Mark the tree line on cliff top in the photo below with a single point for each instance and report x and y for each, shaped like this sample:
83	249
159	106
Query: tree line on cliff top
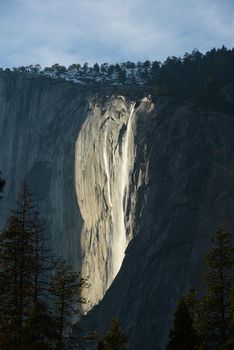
207	78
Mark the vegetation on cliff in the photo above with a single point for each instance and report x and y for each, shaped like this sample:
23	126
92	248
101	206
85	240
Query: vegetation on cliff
207	78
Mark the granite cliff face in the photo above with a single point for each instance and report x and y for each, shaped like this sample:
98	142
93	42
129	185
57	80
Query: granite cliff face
77	151
108	178
39	124
132	191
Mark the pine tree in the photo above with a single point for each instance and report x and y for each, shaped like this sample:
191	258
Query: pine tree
220	263
42	258
23	267
198	310
25	320
122	75
39	331
115	339
9	283
16	266
24	215
183	335
65	288
96	68
209	321
230	340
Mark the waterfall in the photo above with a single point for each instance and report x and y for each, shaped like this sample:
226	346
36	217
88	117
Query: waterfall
106	163
120	239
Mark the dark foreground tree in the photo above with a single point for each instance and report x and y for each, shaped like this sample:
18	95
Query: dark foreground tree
39	331
23	268
115	339
34	313
219	279
66	291
42	259
183	335
208	322
230	339
16	262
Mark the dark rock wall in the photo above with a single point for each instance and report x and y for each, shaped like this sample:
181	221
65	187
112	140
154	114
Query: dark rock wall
39	123
190	192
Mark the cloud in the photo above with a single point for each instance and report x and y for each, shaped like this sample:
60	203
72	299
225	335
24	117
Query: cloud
67	31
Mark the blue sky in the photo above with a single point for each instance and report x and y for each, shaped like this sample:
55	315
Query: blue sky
71	31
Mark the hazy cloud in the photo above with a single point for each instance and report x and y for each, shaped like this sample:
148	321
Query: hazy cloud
67	31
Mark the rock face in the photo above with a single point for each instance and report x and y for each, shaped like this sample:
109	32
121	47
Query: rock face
131	190
190	193
39	124
77	152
